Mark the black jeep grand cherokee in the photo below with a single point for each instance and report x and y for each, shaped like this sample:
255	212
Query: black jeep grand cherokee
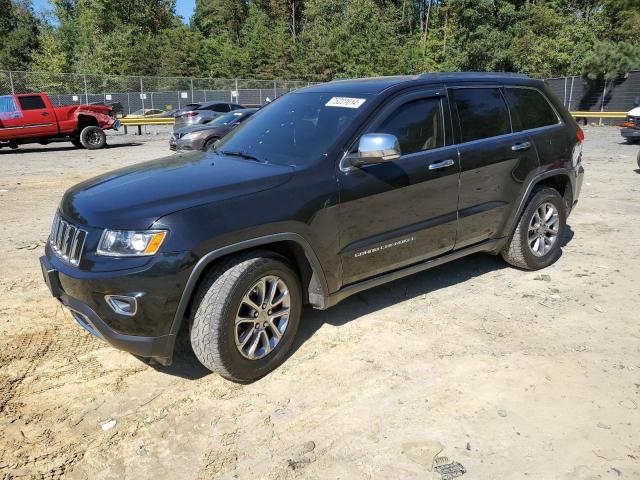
326	192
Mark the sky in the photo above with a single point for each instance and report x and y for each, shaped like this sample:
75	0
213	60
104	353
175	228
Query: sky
184	8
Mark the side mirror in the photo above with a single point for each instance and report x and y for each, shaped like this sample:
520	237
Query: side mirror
375	148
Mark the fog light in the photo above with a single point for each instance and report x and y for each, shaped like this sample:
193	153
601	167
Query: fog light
122	305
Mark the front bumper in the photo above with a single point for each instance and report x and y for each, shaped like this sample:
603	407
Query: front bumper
147	334
180	144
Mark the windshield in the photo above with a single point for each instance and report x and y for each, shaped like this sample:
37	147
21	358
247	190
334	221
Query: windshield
295	129
225	119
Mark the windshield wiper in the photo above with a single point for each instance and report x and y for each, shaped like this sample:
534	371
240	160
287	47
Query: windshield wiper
238	153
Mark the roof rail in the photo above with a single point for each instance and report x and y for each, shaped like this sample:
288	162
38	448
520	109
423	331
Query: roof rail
474	74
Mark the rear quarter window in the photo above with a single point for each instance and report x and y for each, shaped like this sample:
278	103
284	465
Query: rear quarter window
530	109
482	113
220	107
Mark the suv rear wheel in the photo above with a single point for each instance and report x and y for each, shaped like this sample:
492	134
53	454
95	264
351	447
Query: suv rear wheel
535	243
245	316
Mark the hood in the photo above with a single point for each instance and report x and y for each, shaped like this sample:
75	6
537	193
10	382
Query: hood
635	112
134	197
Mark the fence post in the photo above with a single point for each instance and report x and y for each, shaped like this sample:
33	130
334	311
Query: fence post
142	94
571	92
564	102
275	89
604	93
86	91
192	98
13	90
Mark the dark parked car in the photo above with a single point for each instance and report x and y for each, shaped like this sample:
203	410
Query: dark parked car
202	137
631	127
187	108
328	191
203	113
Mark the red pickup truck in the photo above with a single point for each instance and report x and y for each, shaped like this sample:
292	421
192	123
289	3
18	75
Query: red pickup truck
31	118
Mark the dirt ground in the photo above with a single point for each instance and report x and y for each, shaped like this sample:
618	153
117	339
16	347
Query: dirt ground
503	373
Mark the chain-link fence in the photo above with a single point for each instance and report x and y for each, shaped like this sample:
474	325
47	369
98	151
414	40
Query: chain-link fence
136	93
578	94
169	93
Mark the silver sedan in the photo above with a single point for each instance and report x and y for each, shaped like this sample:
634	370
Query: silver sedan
202	137
204	113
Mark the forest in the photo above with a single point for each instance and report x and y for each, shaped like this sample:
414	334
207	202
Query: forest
318	40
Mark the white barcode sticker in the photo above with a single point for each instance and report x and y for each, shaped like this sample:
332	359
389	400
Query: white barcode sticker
345	102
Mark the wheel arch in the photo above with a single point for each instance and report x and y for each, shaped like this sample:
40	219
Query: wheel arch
559	179
560	182
85	120
292	246
209	139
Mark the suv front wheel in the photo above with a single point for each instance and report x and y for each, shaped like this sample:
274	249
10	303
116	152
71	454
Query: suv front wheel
535	243
245	316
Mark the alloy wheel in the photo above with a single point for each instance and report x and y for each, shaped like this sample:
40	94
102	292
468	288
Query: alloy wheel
262	317
543	229
93	138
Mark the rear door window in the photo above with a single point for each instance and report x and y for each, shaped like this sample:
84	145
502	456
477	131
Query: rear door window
529	108
482	113
32	102
418	125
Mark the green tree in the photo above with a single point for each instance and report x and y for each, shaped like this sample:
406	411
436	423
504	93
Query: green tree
50	57
19	34
608	60
220	17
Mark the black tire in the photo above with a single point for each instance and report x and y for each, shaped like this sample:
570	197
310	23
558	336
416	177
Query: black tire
518	252
208	145
77	143
216	305
639	159
93	138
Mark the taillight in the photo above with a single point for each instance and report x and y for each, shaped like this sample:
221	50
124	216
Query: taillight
190	114
580	135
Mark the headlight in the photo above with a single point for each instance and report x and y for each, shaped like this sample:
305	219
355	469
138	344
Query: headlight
130	243
192	135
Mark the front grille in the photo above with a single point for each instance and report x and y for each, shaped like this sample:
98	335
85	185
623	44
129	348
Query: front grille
67	240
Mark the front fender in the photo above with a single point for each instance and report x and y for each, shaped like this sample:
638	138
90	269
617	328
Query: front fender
318	273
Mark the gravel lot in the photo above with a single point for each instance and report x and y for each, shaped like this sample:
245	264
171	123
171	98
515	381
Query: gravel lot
511	374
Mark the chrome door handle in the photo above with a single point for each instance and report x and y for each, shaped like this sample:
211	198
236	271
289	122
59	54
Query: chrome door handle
441	164
517	147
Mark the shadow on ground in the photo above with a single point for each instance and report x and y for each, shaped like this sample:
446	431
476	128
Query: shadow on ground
186	365
61	148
